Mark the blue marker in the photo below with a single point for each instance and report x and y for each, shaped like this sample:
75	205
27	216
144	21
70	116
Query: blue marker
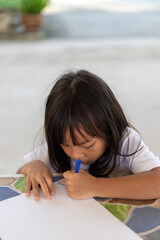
78	163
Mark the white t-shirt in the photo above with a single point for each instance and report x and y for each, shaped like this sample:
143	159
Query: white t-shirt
143	160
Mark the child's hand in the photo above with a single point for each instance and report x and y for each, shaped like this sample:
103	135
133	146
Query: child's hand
37	173
80	185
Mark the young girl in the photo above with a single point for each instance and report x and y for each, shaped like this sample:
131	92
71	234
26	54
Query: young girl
84	120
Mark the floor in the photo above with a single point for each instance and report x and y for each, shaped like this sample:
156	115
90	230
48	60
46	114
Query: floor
127	59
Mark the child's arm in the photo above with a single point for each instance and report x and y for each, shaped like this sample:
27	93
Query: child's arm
137	186
37	173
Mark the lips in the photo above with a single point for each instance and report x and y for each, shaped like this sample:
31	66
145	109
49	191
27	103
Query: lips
85	162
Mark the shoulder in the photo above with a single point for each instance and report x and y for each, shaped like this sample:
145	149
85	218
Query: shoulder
130	141
138	155
130	133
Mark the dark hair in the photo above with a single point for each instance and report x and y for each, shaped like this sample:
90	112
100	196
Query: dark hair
82	101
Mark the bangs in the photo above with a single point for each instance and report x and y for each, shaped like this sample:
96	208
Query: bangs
79	120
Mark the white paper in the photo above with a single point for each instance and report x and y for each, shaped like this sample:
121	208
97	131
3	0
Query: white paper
60	218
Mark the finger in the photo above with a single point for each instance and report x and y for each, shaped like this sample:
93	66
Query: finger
68	190
35	186
63	181
28	187
45	188
67	174
68	182
50	185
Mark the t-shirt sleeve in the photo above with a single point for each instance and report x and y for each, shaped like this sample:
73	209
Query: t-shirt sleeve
39	153
143	160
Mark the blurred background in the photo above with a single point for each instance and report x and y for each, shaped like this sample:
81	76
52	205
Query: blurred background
117	40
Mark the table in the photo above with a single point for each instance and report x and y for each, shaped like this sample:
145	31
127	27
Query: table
142	216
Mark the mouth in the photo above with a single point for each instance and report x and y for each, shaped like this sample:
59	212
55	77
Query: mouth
83	162
86	162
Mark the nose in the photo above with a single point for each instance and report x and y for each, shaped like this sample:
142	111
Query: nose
77	153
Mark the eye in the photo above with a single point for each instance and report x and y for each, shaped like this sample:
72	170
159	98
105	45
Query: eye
89	146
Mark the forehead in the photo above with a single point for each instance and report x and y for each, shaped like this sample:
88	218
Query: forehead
80	137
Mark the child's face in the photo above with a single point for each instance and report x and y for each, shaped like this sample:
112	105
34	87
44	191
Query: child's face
88	151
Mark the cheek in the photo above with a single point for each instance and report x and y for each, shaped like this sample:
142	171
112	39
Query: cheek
102	146
92	153
66	150
99	150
